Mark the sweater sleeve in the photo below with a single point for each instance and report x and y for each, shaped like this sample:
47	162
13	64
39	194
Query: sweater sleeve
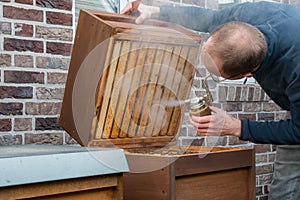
273	132
277	132
207	20
196	18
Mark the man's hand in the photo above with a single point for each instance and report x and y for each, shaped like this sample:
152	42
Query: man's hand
145	11
131	7
217	124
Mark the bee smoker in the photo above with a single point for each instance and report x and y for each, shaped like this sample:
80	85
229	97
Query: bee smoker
199	106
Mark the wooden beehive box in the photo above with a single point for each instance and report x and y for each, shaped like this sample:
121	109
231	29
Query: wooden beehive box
123	78
201	173
121	81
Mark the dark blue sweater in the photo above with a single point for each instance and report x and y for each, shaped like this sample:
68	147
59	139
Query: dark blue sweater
278	75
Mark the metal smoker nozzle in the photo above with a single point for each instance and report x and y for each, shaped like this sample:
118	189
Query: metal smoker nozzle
194	100
207	98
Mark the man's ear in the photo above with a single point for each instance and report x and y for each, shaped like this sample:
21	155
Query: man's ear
248	75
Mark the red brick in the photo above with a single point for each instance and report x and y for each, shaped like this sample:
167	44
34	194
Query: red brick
61	4
265	179
192	141
23	61
262	148
231	93
64	34
57	78
257	92
70	140
23	77
183	131
11	108
50	93
200	72
259	190
5	125
252	106
47	124
262	95
210	83
273	147
244	94
16	92
216	141
247	116
8	140
30	2
52	62
265	197
196	84
43	108
5	28
261	158
271	157
59	18
235	141
23	124
24	30
223	91
191	131
11	44
238	93
5	60
271	107
283	115
44	138
233	107
22	14
266	116
264	169
250	93
59	48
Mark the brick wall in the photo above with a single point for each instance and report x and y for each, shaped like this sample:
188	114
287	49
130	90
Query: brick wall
35	44
36	39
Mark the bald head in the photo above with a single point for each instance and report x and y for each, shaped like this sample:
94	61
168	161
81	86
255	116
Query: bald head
240	48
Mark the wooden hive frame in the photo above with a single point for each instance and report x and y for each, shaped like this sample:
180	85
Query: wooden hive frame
141	67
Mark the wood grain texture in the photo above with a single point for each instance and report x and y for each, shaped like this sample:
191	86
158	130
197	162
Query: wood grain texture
107	187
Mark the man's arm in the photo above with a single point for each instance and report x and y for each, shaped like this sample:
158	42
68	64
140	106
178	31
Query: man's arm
277	132
273	132
207	20
202	19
